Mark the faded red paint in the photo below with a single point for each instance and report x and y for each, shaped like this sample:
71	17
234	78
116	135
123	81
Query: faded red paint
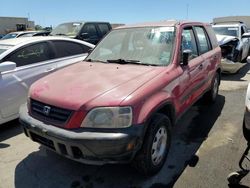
86	85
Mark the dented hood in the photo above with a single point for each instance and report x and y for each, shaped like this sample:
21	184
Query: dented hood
223	39
88	84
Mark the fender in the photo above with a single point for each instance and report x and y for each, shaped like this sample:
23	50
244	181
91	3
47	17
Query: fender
152	105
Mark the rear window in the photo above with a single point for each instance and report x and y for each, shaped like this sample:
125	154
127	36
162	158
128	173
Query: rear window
104	28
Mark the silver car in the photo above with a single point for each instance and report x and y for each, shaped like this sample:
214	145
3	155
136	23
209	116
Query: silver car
234	41
25	60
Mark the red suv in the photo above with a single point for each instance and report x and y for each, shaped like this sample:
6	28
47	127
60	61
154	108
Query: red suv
120	104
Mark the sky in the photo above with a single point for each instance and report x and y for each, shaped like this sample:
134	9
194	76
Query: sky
54	12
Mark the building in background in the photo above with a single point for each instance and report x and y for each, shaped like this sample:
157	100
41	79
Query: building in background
245	19
10	24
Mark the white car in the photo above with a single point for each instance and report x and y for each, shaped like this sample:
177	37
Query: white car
234	41
25	60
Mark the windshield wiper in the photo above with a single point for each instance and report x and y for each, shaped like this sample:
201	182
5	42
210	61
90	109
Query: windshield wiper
60	34
128	61
95	60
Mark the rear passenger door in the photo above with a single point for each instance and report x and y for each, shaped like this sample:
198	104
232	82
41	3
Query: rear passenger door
67	52
209	56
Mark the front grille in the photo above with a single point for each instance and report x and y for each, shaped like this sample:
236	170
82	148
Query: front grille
49	113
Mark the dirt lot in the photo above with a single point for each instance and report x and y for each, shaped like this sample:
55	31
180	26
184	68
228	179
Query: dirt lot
206	146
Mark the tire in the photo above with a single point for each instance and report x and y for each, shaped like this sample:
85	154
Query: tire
234	178
152	156
246	132
238	59
212	94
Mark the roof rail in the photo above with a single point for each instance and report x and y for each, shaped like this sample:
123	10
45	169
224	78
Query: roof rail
220	22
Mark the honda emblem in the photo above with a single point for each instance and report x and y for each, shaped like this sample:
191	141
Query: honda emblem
46	110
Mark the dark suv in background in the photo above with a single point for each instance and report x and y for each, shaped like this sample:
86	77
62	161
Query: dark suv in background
91	32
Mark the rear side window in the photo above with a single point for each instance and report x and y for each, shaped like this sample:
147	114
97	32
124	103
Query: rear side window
203	42
67	48
31	54
104	28
91	30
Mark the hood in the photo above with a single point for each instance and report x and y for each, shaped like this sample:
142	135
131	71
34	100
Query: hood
223	39
88	85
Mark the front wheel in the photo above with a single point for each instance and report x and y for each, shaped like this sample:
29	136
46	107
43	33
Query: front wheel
152	156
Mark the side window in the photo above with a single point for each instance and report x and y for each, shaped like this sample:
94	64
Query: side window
67	48
104	28
203	43
188	42
91	30
30	54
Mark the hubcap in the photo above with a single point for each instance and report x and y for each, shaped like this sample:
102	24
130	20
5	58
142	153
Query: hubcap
159	146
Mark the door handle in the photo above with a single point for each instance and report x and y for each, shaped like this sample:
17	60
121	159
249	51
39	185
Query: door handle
200	67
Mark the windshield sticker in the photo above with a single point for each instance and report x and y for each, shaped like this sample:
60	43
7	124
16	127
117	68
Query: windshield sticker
162	29
76	24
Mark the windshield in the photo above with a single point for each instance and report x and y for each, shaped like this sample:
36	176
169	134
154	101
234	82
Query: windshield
147	46
9	36
67	29
229	31
3	48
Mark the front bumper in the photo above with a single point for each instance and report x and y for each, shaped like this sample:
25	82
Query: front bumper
230	66
85	145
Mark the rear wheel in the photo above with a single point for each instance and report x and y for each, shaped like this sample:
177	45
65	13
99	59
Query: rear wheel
152	156
212	94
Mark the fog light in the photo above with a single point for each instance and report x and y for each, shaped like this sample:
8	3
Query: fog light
130	146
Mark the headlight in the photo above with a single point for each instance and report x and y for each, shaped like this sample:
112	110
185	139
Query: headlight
108	117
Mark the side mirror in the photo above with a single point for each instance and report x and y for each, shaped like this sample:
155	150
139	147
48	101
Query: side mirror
185	56
84	35
246	35
7	66
90	50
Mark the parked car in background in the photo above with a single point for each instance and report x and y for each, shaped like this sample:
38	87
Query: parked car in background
234	41
1	35
36	34
24	60
120	105
91	32
25	34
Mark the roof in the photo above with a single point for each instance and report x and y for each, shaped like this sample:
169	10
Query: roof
226	24
164	23
17	41
21	32
82	22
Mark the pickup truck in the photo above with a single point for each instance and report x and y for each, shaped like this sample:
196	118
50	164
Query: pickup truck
91	32
120	104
